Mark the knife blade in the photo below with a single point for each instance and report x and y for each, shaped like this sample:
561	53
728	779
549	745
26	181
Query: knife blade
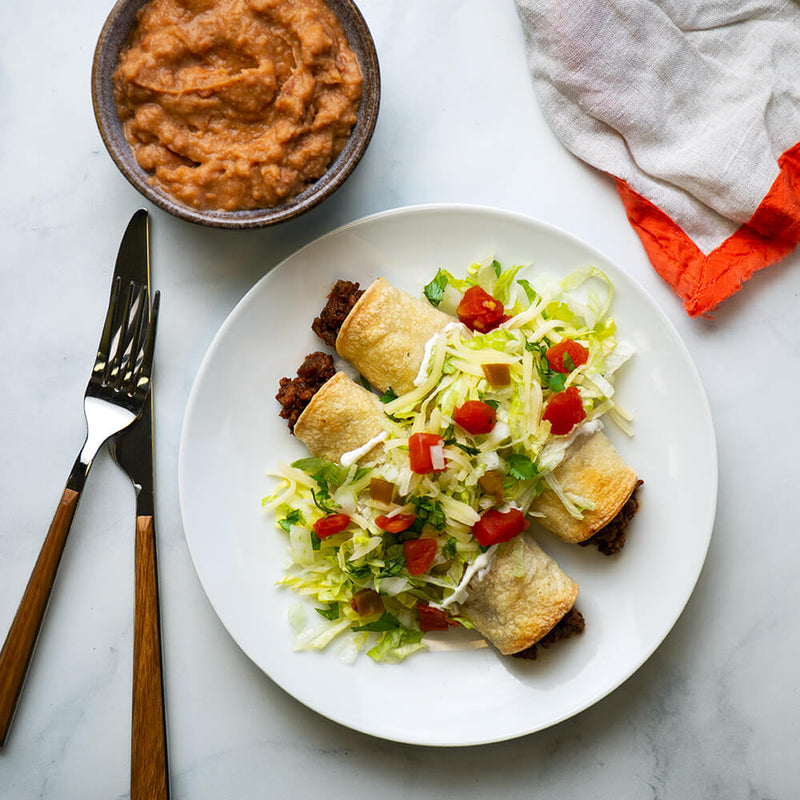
133	451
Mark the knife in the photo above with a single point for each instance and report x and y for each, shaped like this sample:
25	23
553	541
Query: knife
133	451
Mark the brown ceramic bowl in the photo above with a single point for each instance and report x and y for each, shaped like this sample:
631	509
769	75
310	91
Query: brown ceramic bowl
111	42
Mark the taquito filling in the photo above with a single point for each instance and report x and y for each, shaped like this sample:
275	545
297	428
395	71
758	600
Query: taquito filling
571	624
341	299
296	393
610	539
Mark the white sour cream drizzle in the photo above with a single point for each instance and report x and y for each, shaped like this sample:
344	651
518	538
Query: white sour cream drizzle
555	449
481	566
351	456
422	374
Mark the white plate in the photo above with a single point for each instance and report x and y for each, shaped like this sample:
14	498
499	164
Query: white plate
462	694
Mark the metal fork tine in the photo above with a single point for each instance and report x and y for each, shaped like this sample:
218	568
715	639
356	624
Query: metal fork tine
126	327
121	314
138	320
106	337
138	314
145	369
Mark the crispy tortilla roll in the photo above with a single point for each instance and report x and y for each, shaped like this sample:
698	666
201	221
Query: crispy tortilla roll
593	469
385	334
340	418
521	598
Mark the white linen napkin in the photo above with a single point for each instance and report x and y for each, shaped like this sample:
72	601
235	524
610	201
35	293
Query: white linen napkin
693	106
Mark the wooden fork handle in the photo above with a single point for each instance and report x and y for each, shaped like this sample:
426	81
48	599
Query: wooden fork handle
18	649
149	770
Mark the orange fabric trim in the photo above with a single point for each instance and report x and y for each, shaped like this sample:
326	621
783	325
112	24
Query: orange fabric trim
704	281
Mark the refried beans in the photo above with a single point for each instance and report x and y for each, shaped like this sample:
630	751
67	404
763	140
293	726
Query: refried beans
237	104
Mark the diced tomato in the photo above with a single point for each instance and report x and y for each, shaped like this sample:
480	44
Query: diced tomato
419	451
479	311
330	524
498	526
419	555
475	417
575	350
433	619
564	411
395	524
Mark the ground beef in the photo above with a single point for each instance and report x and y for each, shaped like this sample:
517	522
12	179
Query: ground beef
295	394
609	540
570	624
341	300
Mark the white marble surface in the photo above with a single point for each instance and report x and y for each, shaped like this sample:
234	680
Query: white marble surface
712	714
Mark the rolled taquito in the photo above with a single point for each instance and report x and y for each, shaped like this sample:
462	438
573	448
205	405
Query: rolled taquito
592	469
521	598
385	334
341	418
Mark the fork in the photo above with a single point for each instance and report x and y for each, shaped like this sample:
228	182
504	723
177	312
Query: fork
115	396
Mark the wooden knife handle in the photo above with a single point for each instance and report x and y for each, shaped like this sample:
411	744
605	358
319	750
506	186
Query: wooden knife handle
149	766
24	632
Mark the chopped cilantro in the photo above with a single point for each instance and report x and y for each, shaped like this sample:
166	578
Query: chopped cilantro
535	347
553	380
322	500
385	622
331	612
434	290
521	467
392	566
292	518
468	449
388	396
449	439
430	512
358	573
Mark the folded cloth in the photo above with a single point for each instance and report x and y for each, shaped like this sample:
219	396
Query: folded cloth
693	106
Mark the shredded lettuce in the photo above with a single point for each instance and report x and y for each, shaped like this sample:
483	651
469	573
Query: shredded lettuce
396	644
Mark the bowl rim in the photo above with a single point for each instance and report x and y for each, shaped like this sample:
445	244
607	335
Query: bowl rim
114	34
